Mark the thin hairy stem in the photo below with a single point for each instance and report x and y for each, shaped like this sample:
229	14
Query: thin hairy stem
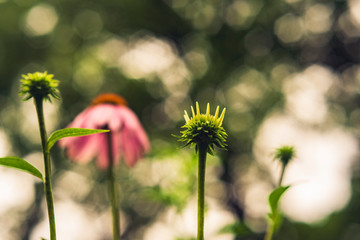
47	164
203	148
282	174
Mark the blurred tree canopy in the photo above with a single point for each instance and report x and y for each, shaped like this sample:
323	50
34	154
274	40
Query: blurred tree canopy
162	56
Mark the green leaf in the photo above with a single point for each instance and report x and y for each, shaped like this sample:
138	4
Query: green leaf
239	229
70	132
275	196
21	164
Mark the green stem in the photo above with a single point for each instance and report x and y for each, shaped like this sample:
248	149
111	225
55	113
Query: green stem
270	229
113	195
282	174
47	183
269	232
203	148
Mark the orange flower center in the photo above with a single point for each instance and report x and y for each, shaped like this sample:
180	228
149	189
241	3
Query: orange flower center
111	98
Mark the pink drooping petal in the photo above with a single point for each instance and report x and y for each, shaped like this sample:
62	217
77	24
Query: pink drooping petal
133	125
104	115
115	143
128	148
102	158
131	146
143	140
103	154
130	119
83	149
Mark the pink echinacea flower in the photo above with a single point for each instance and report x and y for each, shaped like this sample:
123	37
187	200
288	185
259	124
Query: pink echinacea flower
107	111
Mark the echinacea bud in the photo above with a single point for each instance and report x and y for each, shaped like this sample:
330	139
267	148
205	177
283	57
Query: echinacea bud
39	85
204	129
284	154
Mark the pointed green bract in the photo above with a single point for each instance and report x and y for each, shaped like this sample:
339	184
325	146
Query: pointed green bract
39	85
21	164
70	132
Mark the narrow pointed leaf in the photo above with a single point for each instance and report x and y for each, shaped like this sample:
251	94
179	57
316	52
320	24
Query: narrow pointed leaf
20	164
70	132
240	229
275	196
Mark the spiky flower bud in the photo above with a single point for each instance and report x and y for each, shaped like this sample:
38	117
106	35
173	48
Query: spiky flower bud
204	129
284	154
39	85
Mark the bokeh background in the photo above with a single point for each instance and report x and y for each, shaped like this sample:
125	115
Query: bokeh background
286	70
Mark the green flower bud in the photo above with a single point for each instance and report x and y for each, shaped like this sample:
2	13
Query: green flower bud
285	154
39	85
204	129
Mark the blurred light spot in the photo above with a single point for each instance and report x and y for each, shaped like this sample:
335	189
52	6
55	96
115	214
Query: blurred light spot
256	195
71	220
320	171
147	57
201	13
17	190
29	122
74	185
88	77
172	109
332	187
150	58
280	72
318	18
158	231
348	25
354	7
351	80
37	160
172	225
5	147
40	20
111	50
305	94
88	23
197	61
241	13
247	86
176	79
289	28
159	172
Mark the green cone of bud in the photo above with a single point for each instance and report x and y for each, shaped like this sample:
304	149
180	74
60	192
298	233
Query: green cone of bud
204	129
284	154
39	85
